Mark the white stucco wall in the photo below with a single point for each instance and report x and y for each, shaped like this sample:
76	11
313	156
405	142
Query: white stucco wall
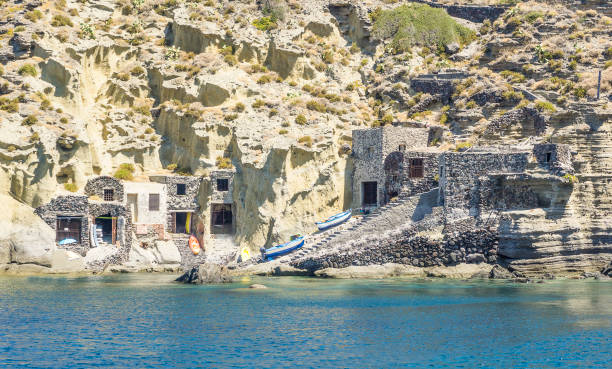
142	190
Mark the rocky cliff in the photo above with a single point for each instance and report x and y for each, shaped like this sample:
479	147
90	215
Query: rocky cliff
276	87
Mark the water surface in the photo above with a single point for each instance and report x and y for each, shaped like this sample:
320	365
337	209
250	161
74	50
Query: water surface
142	321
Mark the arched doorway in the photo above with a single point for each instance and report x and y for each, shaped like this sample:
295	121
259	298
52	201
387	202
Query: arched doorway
393	174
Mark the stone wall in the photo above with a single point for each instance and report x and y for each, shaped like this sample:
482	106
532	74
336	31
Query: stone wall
560	156
461	175
222	196
371	147
433	85
124	231
189	201
96	186
413	186
463	242
70	206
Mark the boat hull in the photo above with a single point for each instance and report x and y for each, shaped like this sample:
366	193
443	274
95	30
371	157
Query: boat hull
283	249
334	221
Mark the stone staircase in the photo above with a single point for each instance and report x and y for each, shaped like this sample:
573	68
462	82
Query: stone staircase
188	259
401	211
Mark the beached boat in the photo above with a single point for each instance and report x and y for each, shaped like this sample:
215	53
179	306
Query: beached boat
283	249
335	220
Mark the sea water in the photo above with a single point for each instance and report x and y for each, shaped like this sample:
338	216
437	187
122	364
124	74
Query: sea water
147	320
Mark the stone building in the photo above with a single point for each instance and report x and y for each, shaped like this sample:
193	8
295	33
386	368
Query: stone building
182	202
89	222
386	159
463	174
222	218
147	203
557	158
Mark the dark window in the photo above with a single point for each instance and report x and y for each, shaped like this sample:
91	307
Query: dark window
153	202
416	168
109	194
68	227
370	195
548	157
181	188
222	184
180	222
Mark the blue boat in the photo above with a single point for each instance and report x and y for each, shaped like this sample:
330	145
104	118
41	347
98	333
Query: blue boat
67	241
335	220
283	249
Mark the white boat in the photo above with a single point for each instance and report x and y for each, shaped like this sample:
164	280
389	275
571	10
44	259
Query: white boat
335	220
283	249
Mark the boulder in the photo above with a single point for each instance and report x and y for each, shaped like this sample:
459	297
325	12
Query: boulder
475	258
206	274
258	286
29	239
499	272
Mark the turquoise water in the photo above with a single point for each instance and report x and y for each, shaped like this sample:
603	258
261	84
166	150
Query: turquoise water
143	321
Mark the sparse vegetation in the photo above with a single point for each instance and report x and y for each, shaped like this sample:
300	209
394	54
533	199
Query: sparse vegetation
514	77
570	178
33	15
306	141
70	187
239	107
418	24
300	120
125	172
27	70
223	163
60	20
30	120
265	23
137	71
545	106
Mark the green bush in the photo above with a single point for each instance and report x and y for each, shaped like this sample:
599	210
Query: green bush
545	105
419	24
125	172
387	119
230	117
27	70
514	77
316	106
264	79
282	131
30	120
34	15
300	119
532	16
463	146
223	163
59	20
70	187
580	92
143	109
239	107
8	105
265	23
571	178
137	71
306	141
258	104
